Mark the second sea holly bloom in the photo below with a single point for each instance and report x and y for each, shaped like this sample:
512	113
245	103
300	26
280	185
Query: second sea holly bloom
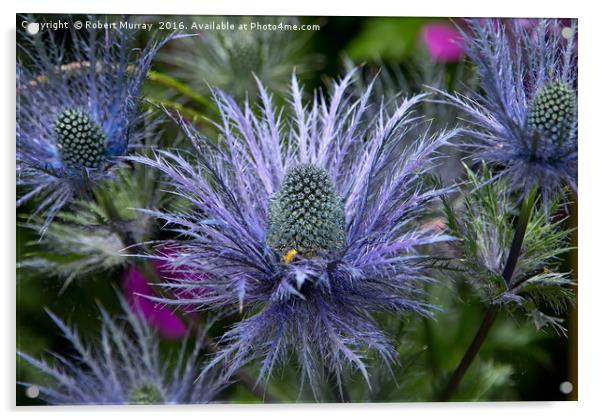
77	114
524	122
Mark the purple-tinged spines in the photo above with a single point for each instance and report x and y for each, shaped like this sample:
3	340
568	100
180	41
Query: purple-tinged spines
524	123
122	366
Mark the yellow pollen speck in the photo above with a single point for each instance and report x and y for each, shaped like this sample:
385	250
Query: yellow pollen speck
288	257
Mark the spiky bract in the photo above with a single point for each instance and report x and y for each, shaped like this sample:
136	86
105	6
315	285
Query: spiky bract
524	123
77	114
485	224
316	307
122	366
100	234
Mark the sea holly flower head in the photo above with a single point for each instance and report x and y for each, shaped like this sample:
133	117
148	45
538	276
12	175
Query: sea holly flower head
307	223
81	142
77	114
146	394
525	121
552	114
122	366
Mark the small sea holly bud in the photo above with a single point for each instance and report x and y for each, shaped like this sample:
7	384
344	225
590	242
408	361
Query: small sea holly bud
553	110
146	394
306	215
81	141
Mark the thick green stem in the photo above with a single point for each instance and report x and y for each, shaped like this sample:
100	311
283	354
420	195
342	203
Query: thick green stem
492	311
471	352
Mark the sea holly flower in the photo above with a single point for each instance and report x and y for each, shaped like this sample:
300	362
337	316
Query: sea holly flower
308	225
123	366
525	122
77	114
524	126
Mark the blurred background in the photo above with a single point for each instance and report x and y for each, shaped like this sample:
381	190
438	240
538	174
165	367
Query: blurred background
516	363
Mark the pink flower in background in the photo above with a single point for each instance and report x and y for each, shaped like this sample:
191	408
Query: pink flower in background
159	316
443	42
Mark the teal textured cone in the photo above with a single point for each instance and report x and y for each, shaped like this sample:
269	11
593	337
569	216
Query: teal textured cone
81	141
553	110
306	214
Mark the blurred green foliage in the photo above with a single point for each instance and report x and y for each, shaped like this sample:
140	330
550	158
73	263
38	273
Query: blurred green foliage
393	39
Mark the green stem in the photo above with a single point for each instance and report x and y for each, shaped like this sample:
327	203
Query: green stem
492	311
182	88
519	236
183	110
471	352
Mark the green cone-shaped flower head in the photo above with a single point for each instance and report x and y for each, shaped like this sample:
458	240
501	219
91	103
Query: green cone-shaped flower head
306	215
81	141
553	111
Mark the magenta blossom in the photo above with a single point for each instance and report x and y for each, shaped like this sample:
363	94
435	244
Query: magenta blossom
141	296
159	316
443	42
